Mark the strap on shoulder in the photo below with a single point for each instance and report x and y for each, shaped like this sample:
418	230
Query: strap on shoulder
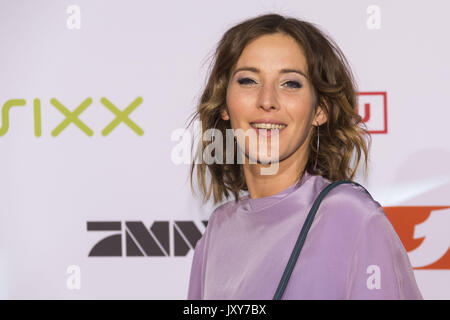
301	238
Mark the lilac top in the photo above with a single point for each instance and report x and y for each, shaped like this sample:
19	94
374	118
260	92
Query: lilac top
351	251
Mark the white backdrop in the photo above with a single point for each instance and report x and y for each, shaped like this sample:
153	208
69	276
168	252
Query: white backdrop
52	186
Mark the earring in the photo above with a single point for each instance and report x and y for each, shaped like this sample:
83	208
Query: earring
213	132
317	153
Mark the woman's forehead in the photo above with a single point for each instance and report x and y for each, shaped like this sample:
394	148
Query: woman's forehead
272	53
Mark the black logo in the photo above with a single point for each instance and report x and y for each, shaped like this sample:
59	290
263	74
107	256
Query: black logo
140	241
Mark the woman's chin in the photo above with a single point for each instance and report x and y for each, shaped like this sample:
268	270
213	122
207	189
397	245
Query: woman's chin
263	158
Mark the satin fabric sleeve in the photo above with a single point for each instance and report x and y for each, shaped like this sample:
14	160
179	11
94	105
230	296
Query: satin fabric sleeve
195	290
380	267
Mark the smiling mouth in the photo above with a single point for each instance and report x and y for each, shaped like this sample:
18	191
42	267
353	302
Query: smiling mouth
265	130
268	126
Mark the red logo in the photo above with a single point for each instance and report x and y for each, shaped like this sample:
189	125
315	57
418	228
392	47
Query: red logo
373	111
425	234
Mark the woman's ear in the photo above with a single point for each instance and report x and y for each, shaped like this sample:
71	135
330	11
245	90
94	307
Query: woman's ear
321	116
225	115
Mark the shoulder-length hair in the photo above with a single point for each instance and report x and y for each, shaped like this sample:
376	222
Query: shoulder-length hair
334	86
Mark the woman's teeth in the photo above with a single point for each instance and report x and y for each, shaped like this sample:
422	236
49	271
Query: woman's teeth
268	126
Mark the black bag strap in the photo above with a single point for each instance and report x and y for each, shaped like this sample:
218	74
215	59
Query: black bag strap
301	238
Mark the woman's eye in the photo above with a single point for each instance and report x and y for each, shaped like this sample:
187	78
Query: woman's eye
292	84
295	84
244	80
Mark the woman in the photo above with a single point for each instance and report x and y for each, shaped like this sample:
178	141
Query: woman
273	69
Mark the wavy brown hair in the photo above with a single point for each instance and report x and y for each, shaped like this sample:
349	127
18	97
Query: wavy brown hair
335	90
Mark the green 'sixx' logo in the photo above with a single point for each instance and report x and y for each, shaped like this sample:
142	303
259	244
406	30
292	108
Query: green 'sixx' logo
72	116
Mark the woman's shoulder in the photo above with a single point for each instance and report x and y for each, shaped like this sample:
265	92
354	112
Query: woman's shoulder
223	209
349	201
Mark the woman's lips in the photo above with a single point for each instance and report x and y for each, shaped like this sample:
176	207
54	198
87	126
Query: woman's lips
267	132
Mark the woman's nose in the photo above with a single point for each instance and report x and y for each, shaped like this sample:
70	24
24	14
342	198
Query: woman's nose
268	97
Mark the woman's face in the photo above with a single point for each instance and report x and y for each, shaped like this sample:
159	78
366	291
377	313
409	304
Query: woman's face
269	82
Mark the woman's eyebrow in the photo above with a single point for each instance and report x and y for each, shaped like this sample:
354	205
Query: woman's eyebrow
256	70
